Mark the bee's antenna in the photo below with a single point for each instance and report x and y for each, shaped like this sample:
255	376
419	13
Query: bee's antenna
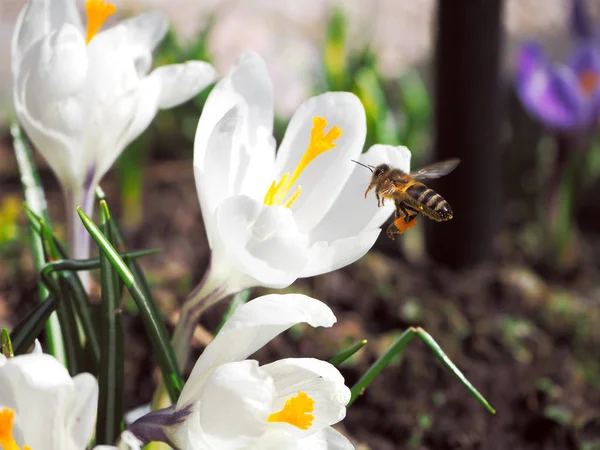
364	165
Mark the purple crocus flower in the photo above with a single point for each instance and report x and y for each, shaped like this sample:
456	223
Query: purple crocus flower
565	97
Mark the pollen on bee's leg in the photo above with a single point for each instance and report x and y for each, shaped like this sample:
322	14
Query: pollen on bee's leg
97	12
399	226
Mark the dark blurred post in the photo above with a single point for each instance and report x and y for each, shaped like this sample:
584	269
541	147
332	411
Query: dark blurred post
468	120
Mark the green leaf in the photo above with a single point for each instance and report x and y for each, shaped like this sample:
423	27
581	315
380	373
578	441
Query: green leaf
397	347
68	324
34	196
5	344
30	327
111	377
77	265
437	350
347	353
134	267
65	310
236	301
36	221
380	364
153	323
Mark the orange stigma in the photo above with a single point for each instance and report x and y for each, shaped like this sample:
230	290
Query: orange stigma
297	411
588	81
320	142
97	12
7	441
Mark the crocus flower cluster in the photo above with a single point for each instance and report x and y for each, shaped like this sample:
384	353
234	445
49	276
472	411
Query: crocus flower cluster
564	97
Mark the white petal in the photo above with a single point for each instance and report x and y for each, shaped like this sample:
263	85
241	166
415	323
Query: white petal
110	130
325	177
39	18
240	147
53	75
47	95
261	241
214	183
112	62
324	257
320	380
64	11
134	414
249	328
81	413
327	439
129	441
31	25
38	388
37	348
235	405
248	85
147	29
351	213
180	82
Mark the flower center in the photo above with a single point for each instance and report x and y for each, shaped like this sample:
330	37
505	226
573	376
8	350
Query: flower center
588	81
296	412
320	142
97	12
7	442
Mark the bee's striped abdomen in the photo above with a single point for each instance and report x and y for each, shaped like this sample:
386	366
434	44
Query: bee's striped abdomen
430	203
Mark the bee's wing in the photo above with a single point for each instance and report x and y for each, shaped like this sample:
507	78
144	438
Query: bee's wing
436	170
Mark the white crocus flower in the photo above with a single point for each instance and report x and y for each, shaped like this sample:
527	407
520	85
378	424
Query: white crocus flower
42	407
83	95
230	403
272	218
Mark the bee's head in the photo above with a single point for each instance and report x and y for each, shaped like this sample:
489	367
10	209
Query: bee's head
378	173
378	176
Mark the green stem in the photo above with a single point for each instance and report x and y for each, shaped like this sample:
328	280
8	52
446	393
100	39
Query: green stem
34	196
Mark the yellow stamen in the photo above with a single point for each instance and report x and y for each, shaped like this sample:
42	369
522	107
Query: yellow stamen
7	441
290	201
97	12
320	142
296	412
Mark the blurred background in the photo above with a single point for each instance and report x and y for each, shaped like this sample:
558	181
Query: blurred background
510	287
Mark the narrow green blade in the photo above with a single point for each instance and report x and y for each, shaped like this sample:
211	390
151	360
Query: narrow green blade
34	196
30	327
110	380
65	310
153	323
380	364
347	353
6	347
437	350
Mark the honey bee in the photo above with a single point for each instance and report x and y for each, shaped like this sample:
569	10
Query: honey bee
411	197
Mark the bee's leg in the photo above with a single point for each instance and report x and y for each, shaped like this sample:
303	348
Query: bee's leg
405	219
411	213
